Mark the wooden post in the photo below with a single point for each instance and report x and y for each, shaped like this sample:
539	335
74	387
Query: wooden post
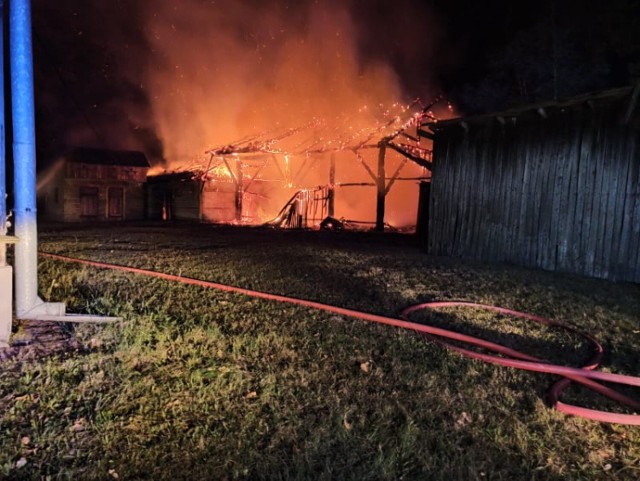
422	224
381	188
239	189
332	185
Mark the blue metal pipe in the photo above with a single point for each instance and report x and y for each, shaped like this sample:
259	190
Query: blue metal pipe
23	115
24	156
3	163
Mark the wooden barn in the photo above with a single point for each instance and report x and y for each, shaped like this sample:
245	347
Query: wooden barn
87	184
553	186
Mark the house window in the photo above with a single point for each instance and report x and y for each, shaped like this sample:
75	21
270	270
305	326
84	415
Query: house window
89	202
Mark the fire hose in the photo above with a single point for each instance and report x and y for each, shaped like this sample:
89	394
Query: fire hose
504	356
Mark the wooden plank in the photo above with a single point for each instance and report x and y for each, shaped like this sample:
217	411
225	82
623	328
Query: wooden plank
487	232
593	150
440	202
520	212
556	212
609	188
635	217
499	194
465	190
332	185
239	189
535	240
617	202
517	167
599	196
624	266
567	222
447	205
381	194
548	162
576	233
528	200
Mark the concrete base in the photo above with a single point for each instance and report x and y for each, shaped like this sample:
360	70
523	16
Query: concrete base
6	307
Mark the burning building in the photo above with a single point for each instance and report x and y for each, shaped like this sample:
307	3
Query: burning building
297	177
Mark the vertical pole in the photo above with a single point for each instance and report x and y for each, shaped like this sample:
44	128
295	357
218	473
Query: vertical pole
422	224
28	304
381	188
239	189
6	272
3	163
332	186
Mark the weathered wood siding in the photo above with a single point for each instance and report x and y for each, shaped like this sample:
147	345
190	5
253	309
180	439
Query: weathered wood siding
133	201
559	193
185	202
218	202
60	198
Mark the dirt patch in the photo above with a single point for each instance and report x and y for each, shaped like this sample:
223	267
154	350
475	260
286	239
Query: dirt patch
38	339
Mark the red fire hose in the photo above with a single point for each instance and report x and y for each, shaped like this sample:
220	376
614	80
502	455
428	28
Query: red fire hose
584	375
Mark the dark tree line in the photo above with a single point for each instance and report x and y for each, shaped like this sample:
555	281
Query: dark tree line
568	49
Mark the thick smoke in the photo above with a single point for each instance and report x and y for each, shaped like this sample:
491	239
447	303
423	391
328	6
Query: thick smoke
90	60
223	70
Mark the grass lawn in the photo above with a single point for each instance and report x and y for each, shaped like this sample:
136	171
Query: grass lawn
200	384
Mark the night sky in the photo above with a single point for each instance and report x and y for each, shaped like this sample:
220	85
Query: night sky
97	63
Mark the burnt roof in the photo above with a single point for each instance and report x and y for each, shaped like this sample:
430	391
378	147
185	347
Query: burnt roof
169	176
121	158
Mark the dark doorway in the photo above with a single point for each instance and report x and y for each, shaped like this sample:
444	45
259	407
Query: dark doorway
115	203
89	202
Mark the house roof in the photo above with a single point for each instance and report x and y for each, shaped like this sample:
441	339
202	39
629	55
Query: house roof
122	158
628	94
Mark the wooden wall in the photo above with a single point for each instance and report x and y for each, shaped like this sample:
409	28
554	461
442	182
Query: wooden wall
559	193
61	198
218	202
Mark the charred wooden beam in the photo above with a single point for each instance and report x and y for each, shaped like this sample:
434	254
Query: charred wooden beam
381	187
366	167
394	177
239	189
426	135
253	177
356	184
230	170
332	182
410	137
418	160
